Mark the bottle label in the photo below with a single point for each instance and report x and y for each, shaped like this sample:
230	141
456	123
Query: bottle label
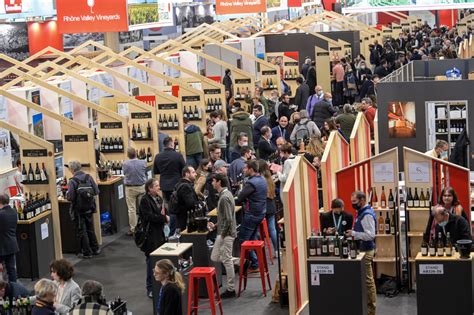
312	252
353	253
331	248
387	227
432	251
344	251
410	203
440	251
424	251
325	249
392	229
383	204
448	251
336	251
416	203
391	204
318	252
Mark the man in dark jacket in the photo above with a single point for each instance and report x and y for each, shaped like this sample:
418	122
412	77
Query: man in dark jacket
368	87
258	124
265	147
382	70
168	164
346	121
227	82
242	141
323	110
83	218
8	242
302	94
11	290
281	130
193	142
187	197
240	123
457	227
336	220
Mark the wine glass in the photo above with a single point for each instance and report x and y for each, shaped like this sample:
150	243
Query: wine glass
91	4
178	235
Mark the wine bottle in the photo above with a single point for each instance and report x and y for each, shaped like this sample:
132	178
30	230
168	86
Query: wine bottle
312	245
381	224
383	199
37	174
416	199
271	84
197	113
208	103
353	250
424	248
409	199
160	122
387	224
176	144
44	174
165	122
238	95
148	131
102	144
139	132
175	123
116	144
134	132
392	225
345	248
106	144
391	200
185	113
337	245
48	202
148	155
331	246
440	245
449	245
24	174
325	246
120	143
170	122
428	198
319	245
286	75
212	107
375	201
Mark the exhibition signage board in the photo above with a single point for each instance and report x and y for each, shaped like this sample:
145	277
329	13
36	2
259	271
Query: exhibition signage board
145	14
401	5
91	16
240	6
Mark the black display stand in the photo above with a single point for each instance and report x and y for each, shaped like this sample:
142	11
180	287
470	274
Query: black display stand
36	242
328	289
112	200
451	274
69	241
172	251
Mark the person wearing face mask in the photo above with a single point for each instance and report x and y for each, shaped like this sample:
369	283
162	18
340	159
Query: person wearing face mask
242	141
446	222
440	151
314	99
336	220
241	123
364	234
323	110
363	74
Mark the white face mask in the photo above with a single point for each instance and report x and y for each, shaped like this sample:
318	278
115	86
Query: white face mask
245	144
444	154
319	93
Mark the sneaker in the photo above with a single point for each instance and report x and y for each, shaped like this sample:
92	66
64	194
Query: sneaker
228	294
253	270
97	252
150	294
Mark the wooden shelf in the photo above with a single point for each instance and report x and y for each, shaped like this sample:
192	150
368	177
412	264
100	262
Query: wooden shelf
384	235
418	209
35	218
384	259
415	234
384	209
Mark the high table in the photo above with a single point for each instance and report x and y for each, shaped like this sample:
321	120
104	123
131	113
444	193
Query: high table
444	285
112	200
337	286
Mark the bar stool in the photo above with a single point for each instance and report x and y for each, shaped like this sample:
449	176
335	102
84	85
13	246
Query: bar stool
265	236
209	274
259	248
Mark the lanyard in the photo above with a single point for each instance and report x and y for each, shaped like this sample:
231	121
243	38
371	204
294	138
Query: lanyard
338	224
158	301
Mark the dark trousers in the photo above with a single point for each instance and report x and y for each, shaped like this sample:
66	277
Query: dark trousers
9	261
248	232
86	235
194	160
337	96
149	274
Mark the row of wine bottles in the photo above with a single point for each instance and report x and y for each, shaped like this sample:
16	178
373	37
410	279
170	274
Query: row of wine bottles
291	74
212	105
239	95
32	206
111	144
332	246
191	223
192	115
418	201
456	127
19	306
138	134
268	84
386	226
168	123
383	202
438	247
38	176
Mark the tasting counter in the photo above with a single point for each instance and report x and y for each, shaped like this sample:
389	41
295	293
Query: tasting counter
173	252
337	286
69	242
112	200
448	280
36	241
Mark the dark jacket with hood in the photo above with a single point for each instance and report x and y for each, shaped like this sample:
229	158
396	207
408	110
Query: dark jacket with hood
459	152
241	122
193	139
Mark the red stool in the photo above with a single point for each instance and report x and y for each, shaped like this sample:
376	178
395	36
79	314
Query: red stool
265	236
259	248
209	274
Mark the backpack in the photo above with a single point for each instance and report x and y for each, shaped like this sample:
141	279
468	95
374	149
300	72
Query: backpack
302	132
85	194
351	82
173	203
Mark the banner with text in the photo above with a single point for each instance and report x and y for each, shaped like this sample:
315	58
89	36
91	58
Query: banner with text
240	6
82	16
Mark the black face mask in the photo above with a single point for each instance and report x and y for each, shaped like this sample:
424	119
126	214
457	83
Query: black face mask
356	206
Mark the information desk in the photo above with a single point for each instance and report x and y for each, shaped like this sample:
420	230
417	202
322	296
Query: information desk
69	241
173	252
448	279
112	200
202	256
337	286
36	241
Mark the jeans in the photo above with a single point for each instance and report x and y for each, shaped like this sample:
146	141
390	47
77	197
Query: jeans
272	231
222	252
149	274
9	262
248	231
194	159
371	291
85	234
132	193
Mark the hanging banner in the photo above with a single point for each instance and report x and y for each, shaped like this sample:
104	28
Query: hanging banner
240	6
149	13
83	16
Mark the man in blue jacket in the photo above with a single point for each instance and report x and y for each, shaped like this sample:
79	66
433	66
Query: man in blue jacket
364	233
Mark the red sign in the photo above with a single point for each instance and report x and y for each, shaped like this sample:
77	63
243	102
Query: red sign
294	3
240	6
84	16
12	6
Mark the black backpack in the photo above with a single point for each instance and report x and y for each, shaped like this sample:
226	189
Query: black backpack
173	203
141	233
85	194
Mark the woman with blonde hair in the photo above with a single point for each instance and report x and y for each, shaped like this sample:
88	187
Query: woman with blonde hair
172	288
45	291
271	205
314	150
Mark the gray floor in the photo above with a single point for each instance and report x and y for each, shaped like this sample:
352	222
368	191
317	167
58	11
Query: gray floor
121	269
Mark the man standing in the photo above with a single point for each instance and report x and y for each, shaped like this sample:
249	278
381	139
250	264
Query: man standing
187	197
338	81
265	147
305	67
281	130
440	151
323	110
134	171
168	165
302	94
83	205
364	233
8	242
219	131
226	231
227	82
242	141
369	112
254	195
237	166
220	167
314	99
193	142
240	124
346	121
215	153
336	220
258	124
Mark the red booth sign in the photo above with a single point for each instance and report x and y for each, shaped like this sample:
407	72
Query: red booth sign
13	6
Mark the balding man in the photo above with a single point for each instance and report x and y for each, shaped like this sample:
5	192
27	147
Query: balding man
457	227
323	110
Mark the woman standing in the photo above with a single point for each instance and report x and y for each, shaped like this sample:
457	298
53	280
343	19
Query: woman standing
69	292
152	215
271	205
203	170
172	288
45	291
